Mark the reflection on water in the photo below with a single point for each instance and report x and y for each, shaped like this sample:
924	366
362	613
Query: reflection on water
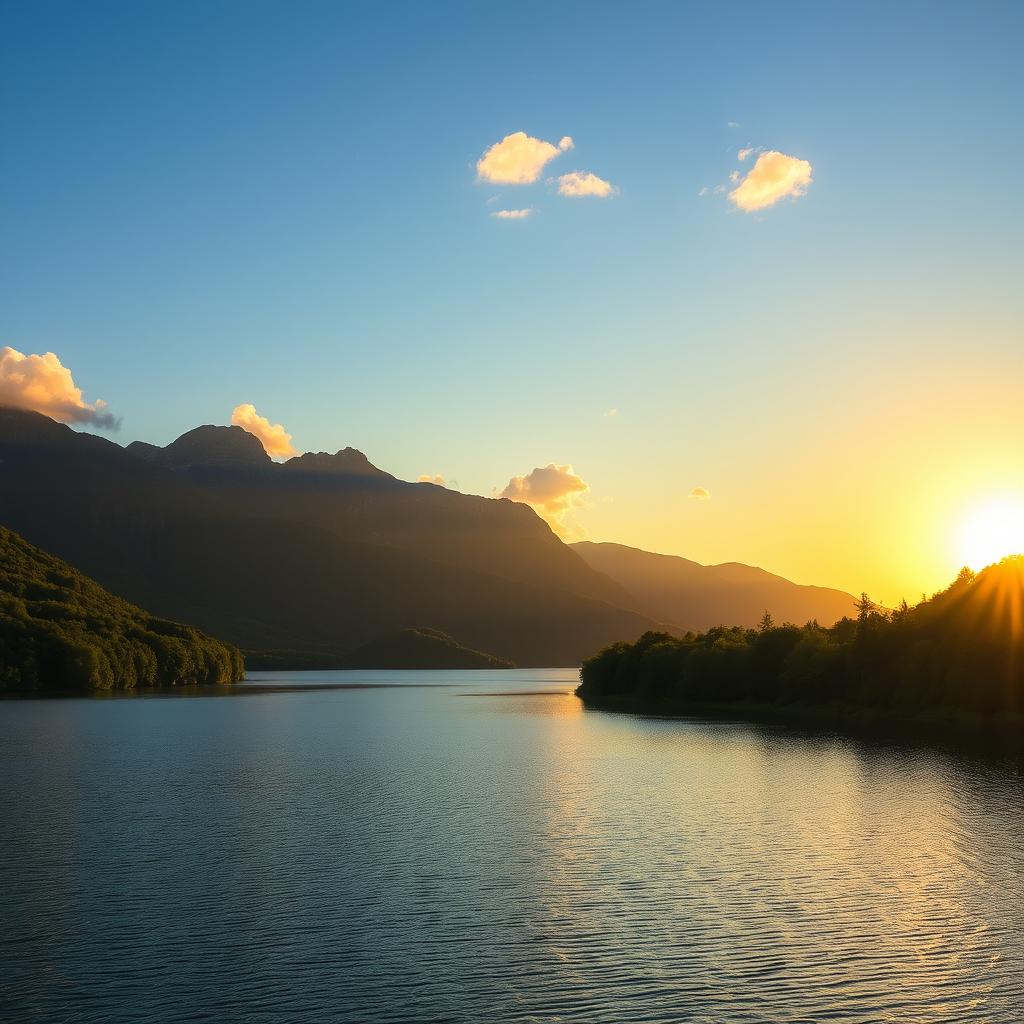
392	847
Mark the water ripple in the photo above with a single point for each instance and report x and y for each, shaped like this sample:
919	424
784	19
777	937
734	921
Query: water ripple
349	849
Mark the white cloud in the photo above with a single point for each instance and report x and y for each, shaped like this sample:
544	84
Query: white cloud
43	384
774	176
733	124
744	153
700	494
513	214
276	441
518	159
583	183
552	491
734	176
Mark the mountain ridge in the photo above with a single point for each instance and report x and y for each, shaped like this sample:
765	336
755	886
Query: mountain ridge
272	559
697	597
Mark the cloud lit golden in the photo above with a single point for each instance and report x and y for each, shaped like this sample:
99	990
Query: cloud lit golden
276	441
43	384
583	183
700	494
519	159
774	176
552	491
428	478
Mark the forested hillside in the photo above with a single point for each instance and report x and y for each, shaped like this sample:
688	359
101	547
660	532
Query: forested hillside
61	631
962	651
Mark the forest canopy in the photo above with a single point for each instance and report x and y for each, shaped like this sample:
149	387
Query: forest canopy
960	651
59	630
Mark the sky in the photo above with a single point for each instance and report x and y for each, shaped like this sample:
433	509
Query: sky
295	207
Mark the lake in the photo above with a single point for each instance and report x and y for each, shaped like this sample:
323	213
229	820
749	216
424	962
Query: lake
475	846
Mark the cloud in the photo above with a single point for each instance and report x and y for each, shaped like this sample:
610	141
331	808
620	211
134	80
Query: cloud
276	441
734	176
700	494
583	183
773	177
733	124
436	479
744	153
43	384
552	491
512	214
518	159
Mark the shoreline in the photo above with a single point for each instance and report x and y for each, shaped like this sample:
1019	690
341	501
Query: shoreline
844	719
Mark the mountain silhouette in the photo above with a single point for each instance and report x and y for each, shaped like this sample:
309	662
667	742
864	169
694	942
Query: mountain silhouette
315	557
695	596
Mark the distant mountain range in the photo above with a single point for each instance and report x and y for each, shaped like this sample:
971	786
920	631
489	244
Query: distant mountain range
323	553
696	596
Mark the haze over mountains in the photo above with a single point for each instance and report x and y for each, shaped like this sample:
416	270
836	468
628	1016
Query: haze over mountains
321	554
700	596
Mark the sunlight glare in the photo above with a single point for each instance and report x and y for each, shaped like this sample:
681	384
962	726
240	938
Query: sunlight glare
992	532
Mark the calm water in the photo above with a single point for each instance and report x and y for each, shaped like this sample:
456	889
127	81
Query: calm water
460	852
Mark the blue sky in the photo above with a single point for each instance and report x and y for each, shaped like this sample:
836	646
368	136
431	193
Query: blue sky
209	204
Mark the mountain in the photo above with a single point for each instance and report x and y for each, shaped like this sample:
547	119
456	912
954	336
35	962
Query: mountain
420	648
695	596
316	556
60	630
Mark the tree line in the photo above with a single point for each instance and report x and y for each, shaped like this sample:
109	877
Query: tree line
961	650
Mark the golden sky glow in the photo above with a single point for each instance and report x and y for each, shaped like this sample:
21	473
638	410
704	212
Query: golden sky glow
991	531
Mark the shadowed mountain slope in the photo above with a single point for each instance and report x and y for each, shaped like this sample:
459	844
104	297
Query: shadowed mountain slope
695	596
59	630
316	556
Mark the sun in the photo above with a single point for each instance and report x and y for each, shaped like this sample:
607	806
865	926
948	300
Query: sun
992	532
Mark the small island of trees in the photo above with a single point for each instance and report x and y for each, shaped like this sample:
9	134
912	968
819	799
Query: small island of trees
958	654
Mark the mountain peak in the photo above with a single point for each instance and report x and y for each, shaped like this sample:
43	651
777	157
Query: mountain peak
347	462
219	447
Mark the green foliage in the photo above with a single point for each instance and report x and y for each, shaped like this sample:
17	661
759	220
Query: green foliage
960	651
60	630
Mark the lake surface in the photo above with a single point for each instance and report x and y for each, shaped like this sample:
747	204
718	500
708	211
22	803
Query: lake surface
475	846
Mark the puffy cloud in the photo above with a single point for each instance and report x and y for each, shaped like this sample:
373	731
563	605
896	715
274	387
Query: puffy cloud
436	479
583	183
552	491
276	441
518	159
700	494
773	177
512	214
43	384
